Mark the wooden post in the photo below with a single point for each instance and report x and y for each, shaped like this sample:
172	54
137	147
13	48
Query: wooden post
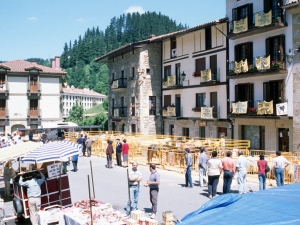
92	178
128	189
60	194
90	199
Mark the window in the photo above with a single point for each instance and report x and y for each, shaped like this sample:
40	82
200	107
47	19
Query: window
171	132
133	128
202	131
173	47
242	12
185	131
277	11
148	71
214	103
167	100
273	91
275	47
113	76
244	92
33	104
152	105
122	73
244	51
200	64
2	79
113	106
167	71
132	106
2	104
213	67
207	38
132	72
200	99
177	73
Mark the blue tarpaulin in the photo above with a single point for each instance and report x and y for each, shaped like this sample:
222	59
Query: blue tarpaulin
272	206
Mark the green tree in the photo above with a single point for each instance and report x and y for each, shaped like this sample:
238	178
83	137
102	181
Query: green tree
75	114
105	104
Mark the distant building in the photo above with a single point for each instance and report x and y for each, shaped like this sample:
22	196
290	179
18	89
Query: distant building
29	94
85	97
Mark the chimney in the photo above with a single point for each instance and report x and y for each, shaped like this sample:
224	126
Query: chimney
53	63
57	62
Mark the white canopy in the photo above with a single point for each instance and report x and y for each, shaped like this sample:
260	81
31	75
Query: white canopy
17	150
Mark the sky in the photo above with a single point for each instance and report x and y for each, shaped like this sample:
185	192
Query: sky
40	28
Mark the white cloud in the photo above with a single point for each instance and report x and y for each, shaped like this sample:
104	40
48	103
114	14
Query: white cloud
134	8
32	19
80	20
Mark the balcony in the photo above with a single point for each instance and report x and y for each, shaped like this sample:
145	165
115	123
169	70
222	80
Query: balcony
169	111
4	113
33	88
260	22
172	81
4	88
34	113
119	112
119	84
209	78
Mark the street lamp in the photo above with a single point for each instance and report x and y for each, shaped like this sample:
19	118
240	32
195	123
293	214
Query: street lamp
291	55
183	76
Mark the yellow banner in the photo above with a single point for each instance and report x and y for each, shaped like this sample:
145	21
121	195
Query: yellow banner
241	67
262	63
239	107
165	112
115	84
263	19
206	112
240	25
171	80
116	112
265	108
171	111
205	75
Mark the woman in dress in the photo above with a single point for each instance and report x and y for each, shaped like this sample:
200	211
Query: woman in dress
214	168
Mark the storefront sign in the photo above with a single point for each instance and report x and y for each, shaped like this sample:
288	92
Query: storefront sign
205	75
265	108
281	109
206	112
263	19
240	26
239	107
53	170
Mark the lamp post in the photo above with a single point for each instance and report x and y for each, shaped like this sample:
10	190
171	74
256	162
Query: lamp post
290	56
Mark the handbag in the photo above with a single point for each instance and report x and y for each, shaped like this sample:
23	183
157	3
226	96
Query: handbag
267	169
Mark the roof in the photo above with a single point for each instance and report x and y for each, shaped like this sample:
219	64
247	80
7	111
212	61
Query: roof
292	3
24	66
153	38
85	91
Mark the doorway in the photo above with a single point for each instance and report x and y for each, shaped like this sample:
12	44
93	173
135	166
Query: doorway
283	138
171	129
178	105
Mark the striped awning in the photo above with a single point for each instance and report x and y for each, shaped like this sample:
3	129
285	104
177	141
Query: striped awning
53	151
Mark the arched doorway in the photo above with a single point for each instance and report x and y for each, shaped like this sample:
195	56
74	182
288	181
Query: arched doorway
16	126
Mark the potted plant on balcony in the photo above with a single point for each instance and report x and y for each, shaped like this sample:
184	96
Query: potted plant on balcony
196	109
275	65
196	74
252	111
252	68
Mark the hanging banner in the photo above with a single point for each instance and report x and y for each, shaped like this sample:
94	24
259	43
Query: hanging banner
265	108
239	107
171	111
171	80
238	67
263	19
241	67
240	25
165	112
205	75
281	109
262	63
115	84
116	112
206	112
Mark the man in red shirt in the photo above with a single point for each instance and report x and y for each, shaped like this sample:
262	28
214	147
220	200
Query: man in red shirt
228	167
125	149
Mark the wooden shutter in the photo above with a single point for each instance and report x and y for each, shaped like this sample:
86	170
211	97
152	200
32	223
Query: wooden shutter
282	48
250	14
266	91
213	66
267	6
251	95
237	53
167	100
200	64
237	93
268	47
250	53
197	100
234	14
214	102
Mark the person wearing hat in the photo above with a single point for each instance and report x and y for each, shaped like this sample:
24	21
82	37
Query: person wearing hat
188	170
119	152
262	164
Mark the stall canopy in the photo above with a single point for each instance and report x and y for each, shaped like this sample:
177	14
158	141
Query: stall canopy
53	151
272	206
17	150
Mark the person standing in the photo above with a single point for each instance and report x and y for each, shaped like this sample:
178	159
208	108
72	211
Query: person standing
109	152
33	194
88	144
134	179
229	170
202	167
280	163
214	168
125	150
241	168
74	162
80	142
262	164
188	169
83	145
153	184
7	176
119	152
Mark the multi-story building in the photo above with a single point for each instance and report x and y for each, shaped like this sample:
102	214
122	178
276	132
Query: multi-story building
134	92
194	81
260	102
29	95
84	97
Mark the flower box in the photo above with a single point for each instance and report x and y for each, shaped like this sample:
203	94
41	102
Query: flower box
196	74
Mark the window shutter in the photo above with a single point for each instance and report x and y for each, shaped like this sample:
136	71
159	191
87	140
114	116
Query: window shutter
213	66
282	48
250	53
197	100
236	93
267	6
234	14
250	15
266	90
200	64
251	95
268	47
237	53
167	100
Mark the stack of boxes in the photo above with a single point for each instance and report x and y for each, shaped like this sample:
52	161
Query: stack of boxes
167	218
137	217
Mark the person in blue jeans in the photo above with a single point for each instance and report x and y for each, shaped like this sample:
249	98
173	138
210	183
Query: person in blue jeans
134	179
241	168
262	164
74	162
188	171
280	163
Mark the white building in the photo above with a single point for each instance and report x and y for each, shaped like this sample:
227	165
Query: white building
29	95
85	97
261	33
194	80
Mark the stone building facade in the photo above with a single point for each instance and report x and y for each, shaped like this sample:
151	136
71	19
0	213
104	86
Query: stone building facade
135	87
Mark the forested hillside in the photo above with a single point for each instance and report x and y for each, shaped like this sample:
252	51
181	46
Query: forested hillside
77	57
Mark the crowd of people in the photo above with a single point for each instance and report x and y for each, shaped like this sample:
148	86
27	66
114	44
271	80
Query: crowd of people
10	140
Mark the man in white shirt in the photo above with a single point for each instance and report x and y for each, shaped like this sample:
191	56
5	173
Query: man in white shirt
241	169
280	163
